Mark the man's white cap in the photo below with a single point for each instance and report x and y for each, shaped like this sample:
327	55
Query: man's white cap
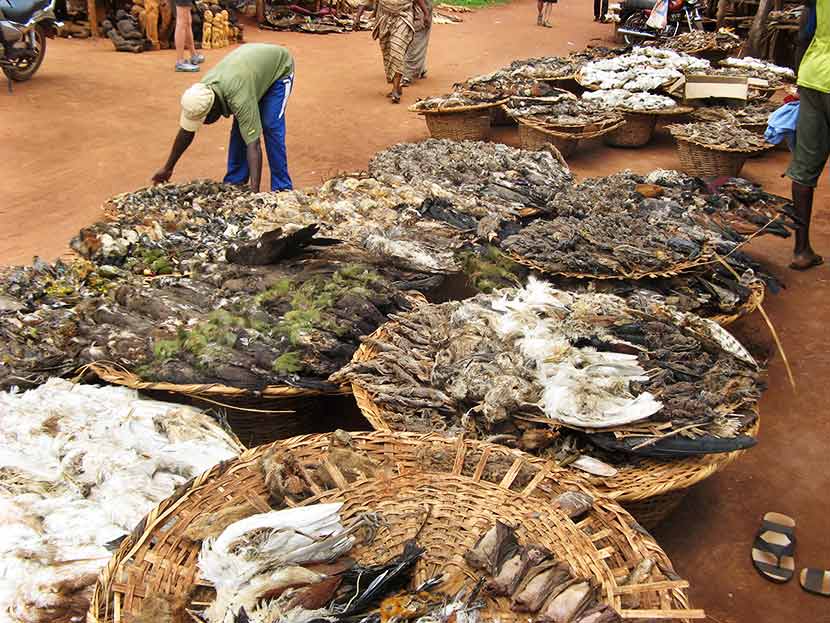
196	104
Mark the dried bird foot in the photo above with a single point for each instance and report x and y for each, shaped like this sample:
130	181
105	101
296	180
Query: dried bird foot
806	260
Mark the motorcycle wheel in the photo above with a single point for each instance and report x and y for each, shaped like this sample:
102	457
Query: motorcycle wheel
636	21
24	69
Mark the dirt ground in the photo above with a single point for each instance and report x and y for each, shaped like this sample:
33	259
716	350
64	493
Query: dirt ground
94	123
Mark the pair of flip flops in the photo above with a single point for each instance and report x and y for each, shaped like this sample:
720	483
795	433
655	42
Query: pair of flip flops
773	554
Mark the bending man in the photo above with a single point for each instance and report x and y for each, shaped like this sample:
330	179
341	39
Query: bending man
253	84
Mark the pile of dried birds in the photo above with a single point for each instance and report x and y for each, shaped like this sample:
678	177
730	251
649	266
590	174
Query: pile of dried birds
620	99
529	366
80	466
698	41
559	113
415	226
630	226
199	299
746	114
292	565
642	69
298	19
533	579
455	100
759	68
723	135
521	180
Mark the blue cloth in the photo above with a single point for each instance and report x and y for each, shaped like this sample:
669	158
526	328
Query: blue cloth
272	113
782	123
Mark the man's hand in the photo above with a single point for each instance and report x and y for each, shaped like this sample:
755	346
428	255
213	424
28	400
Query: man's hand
162	175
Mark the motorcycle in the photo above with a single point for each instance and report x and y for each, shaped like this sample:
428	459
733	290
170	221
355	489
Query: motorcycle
683	16
24	27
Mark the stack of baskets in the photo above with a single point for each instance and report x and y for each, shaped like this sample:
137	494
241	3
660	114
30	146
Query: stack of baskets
461	123
647	488
444	493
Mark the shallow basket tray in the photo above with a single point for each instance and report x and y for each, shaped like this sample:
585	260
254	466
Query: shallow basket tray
535	136
460	123
444	492
633	275
648	488
706	161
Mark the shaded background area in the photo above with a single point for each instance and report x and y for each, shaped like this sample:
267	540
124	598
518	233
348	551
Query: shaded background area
94	123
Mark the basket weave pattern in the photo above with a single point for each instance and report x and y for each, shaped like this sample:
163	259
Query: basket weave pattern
459	126
534	136
702	161
444	491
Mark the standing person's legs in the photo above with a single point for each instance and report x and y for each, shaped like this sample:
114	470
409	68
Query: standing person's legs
190	44
812	148
183	35
596	9
238	172
539	4
272	112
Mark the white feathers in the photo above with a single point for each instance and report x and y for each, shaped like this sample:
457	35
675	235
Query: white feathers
278	537
580	385
621	98
79	466
642	69
749	62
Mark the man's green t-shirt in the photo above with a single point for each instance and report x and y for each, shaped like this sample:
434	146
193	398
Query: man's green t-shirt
241	79
814	71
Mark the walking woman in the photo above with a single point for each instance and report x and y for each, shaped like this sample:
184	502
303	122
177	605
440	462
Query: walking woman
394	28
416	55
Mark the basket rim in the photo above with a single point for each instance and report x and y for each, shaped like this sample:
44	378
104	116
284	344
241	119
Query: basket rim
651	479
118	376
614	125
756	298
730	150
628	531
668	112
456	109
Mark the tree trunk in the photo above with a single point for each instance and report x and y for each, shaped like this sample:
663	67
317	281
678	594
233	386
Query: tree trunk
755	45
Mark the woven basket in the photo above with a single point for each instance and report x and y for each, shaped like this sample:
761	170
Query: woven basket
637	131
499	117
756	297
444	491
459	126
566	138
635	486
705	161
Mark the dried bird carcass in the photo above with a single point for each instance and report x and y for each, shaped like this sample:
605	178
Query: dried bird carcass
560	113
456	99
698	41
517	179
760	68
80	466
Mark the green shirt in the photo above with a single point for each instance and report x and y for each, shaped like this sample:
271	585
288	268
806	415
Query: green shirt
241	79
814	71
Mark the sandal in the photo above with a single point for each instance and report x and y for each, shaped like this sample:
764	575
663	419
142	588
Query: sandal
816	581
773	548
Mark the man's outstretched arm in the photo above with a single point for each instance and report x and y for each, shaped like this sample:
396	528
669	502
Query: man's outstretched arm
254	154
180	144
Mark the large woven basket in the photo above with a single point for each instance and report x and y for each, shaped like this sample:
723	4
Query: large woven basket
500	118
637	131
648	488
706	161
534	136
444	492
461	123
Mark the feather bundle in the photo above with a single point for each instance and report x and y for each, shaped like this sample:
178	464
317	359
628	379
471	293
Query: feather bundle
79	466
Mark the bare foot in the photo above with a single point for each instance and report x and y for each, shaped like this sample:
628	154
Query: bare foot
805	261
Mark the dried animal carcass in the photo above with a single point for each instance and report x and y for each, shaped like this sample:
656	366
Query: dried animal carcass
456	99
515	178
698	41
620	99
560	113
760	68
495	366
